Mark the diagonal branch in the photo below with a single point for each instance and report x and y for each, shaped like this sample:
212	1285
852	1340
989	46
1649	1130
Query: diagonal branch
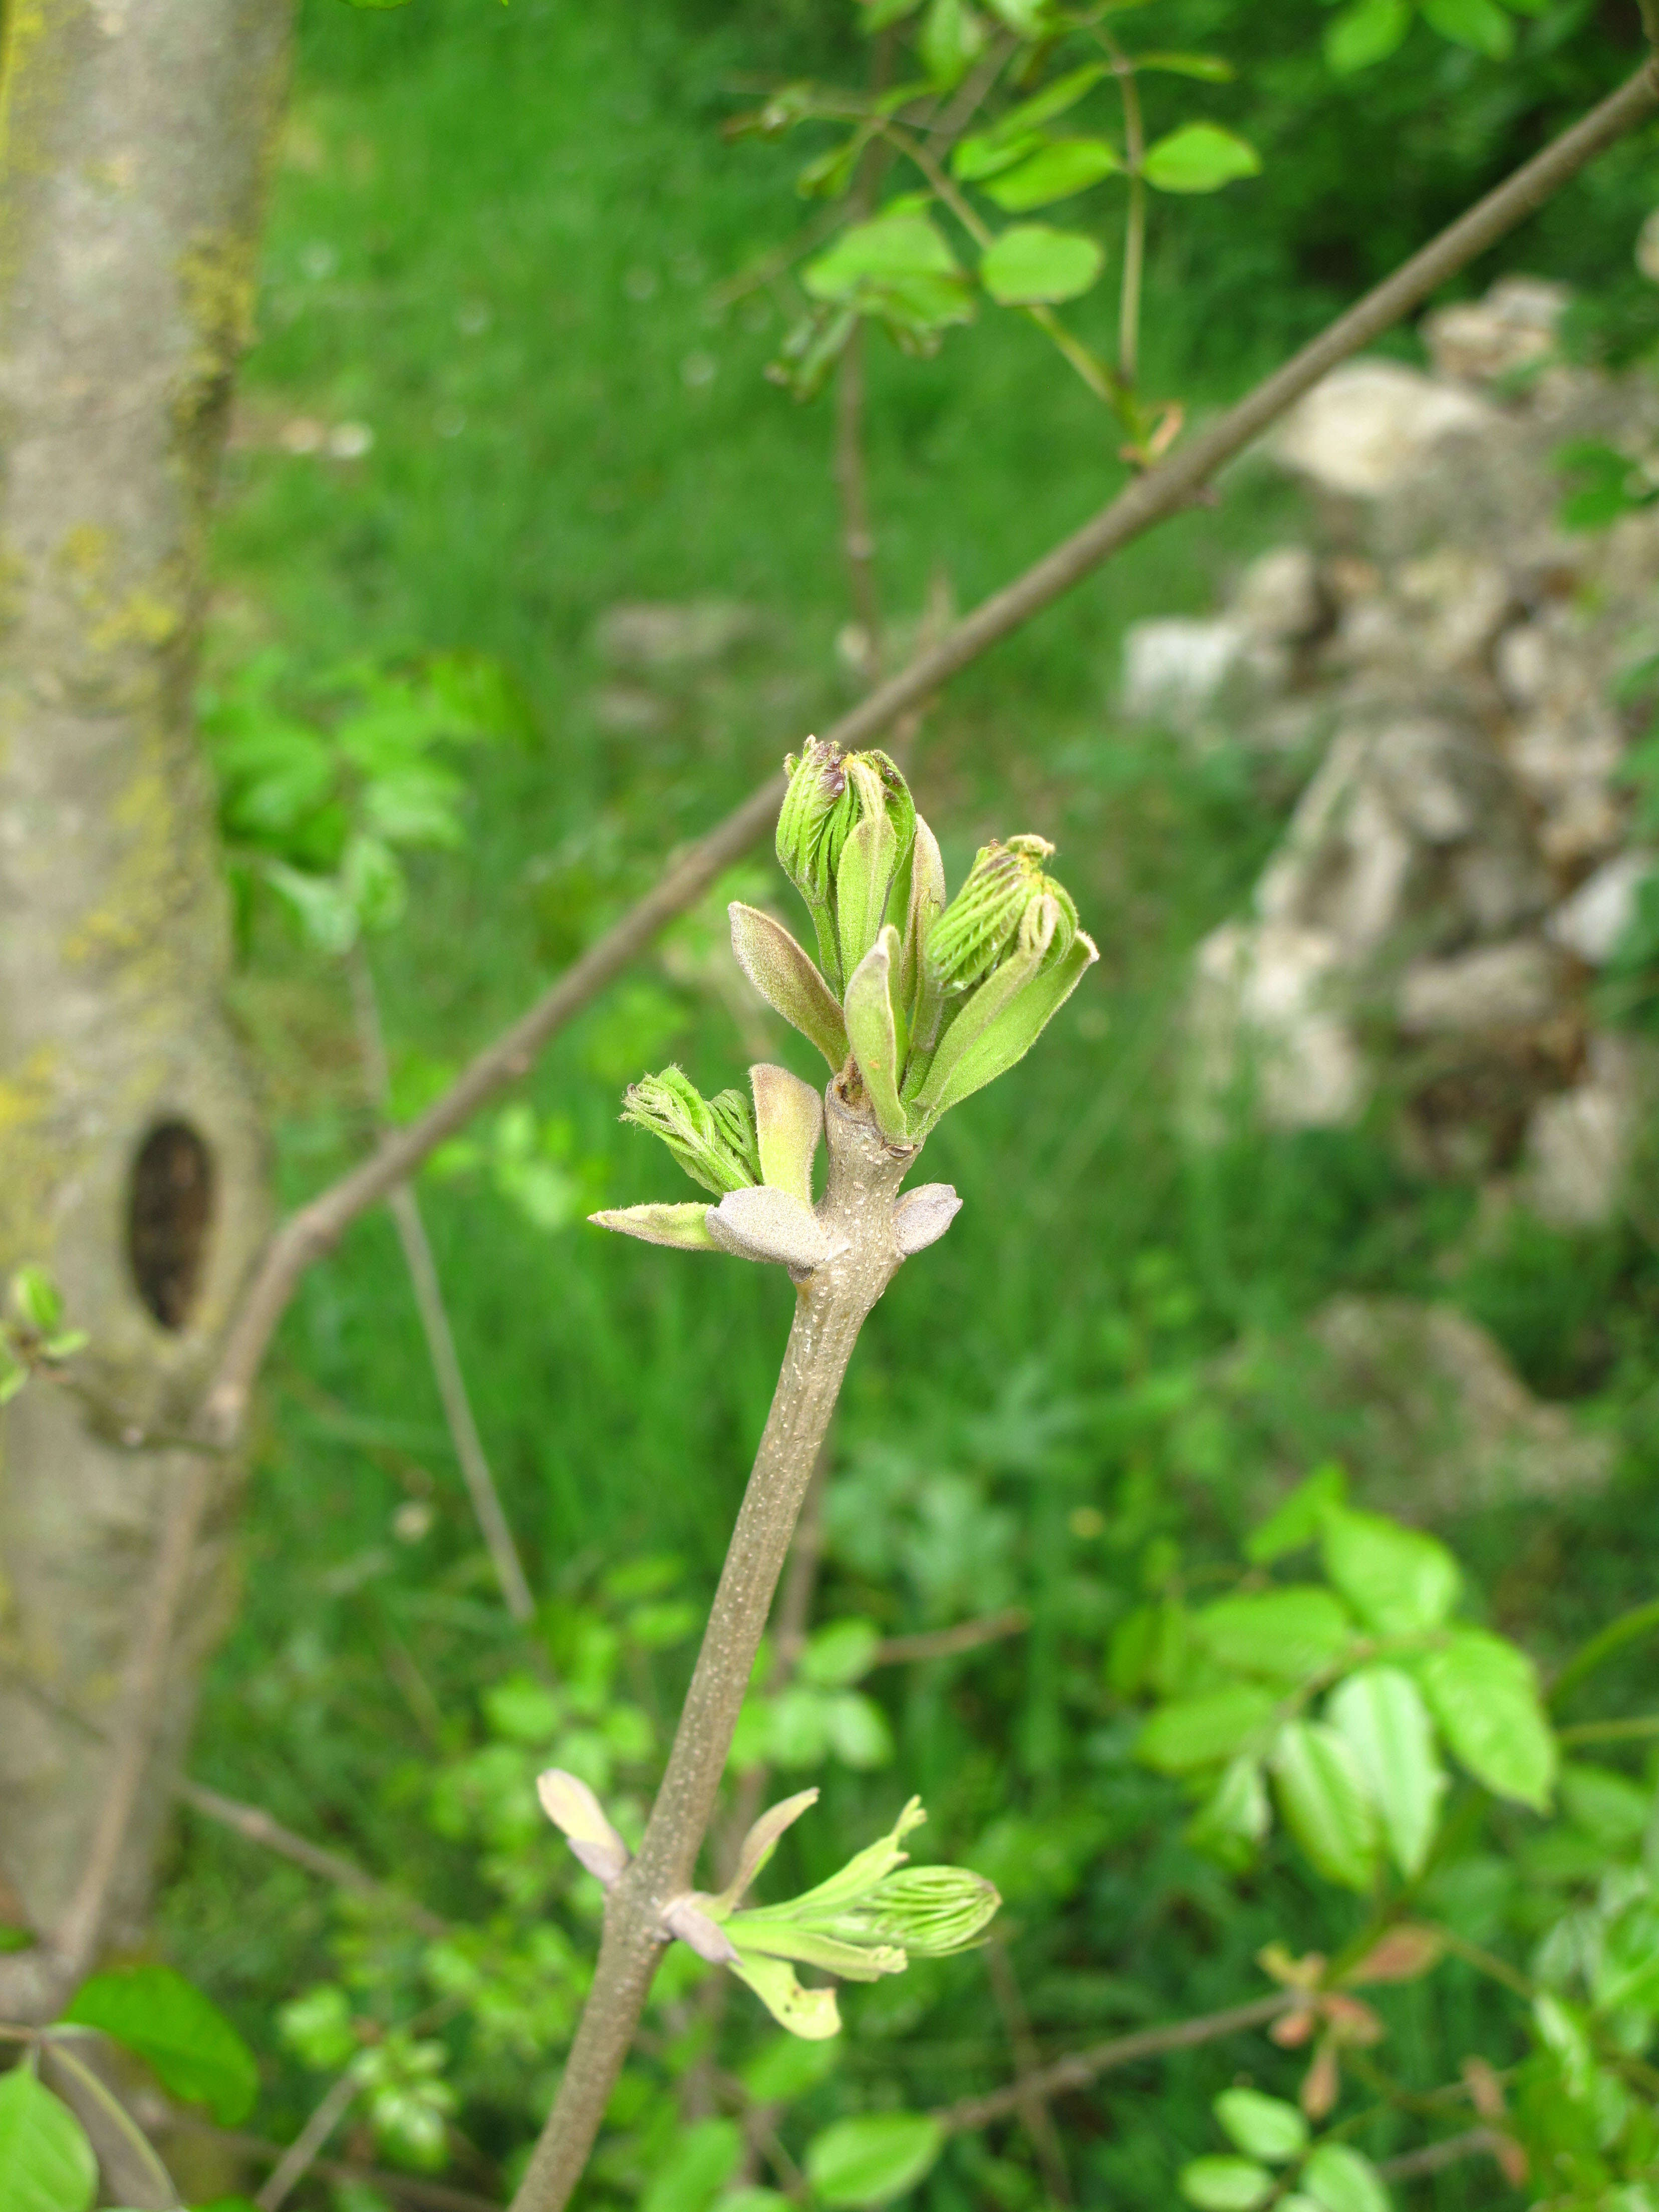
314	1230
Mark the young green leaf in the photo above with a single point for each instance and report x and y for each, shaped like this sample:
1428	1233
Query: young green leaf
1209	69
701	2159
1235	1818
1263	2127
788	1126
874	2158
47	2164
1203	1731
951	39
1299	1518
988	153
1031	264
1200	157
1225	2184
1484	1693
1369	31
840	1653
167	2022
1054	172
788	979
1480	25
1322	1796
871	1031
1287	1635
685	1227
1381	1715
1397	1580
1341	2179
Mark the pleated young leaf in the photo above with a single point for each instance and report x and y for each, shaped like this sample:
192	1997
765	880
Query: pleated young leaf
873	1033
918	997
1323	1798
1380	1714
789	980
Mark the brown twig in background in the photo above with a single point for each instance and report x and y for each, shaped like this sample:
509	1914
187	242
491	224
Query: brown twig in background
1033	2102
307	2147
257	1826
434	1318
945	1643
1083	2067
409	2188
1432	2158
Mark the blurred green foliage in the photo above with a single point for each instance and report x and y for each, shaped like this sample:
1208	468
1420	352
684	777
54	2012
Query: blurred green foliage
505	382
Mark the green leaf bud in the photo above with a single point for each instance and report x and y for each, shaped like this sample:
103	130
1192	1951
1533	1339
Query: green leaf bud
983	922
930	1911
844	834
714	1140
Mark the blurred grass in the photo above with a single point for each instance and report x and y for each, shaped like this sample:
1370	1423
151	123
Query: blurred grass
495	240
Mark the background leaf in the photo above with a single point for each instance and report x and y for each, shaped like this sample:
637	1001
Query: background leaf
167	2022
47	2164
1265	2127
1200	157
1396	1579
1054	172
1380	1714
1484	1693
873	2159
1029	263
1323	1798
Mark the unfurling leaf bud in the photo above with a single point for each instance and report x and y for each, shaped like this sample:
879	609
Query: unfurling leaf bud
844	834
714	1140
931	1911
983	921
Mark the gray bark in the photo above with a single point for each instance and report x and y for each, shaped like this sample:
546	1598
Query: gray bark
134	137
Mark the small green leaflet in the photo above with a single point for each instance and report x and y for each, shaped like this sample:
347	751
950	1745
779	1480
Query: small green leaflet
701	2159
1299	1517
1225	2184
1480	25
1056	172
1367	32
1397	1580
47	2164
167	2022
1031	263
1234	1819
1323	1796
1262	2127
873	2159
1484	1693
1200	157
1380	1714
1285	1635
1344	2180
1203	1731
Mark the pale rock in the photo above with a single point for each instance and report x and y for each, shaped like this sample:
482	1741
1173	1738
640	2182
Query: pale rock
1183	671
1460	599
1279	596
1513	328
1369	425
662	635
1522	663
1579	1141
1264	1016
1495	987
1590	923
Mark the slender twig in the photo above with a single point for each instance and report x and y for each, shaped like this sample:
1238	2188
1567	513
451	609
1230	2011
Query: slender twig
1629	1731
831	1304
1432	2157
1134	227
307	2147
1163	491
117	2116
1033	2106
1631	1628
257	1826
1083	2067
945	1643
412	2189
434	1318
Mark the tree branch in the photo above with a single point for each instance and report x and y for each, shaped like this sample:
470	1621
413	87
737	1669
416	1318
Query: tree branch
257	1826
831	1303
307	2147
945	1643
1083	2067
1151	499
434	1320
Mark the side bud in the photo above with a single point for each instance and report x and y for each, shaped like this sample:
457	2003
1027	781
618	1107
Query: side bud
982	922
714	1140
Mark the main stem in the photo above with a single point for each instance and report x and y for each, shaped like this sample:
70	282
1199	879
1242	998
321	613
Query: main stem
829	1311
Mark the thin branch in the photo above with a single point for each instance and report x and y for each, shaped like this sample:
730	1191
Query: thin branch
1033	2105
1621	1731
1631	1628
435	1320
1432	2158
831	1303
304	2151
115	2113
1163	491
412	2189
1083	2067
256	1827
945	1643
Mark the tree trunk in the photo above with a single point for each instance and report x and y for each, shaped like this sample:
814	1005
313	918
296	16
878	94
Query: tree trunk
133	140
